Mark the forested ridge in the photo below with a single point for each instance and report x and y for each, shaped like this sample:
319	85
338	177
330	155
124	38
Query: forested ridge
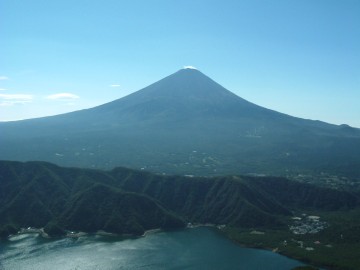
126	201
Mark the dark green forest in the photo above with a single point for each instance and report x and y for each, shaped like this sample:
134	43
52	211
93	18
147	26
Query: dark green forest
126	201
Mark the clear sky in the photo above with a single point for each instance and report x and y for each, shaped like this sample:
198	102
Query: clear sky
300	57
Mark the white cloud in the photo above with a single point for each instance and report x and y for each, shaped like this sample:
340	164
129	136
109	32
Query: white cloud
11	99
114	85
3	89
2	78
63	96
189	67
16	97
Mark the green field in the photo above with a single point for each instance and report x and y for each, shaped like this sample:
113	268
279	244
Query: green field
335	247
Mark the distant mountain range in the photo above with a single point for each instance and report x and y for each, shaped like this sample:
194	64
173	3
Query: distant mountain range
125	201
185	124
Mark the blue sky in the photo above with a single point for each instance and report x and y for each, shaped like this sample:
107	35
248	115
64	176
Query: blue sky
297	57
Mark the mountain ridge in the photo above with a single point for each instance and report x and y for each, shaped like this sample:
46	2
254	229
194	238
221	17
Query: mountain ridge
40	194
160	126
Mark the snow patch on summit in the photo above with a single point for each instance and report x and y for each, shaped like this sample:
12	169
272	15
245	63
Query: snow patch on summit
189	67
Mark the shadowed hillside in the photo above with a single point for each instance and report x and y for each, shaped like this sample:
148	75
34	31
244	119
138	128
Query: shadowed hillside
129	202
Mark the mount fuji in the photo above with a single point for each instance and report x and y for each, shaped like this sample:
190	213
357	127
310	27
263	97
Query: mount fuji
185	124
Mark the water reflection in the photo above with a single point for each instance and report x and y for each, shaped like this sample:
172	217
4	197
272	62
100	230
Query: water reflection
199	248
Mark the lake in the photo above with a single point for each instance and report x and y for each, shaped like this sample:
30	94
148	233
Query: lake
197	248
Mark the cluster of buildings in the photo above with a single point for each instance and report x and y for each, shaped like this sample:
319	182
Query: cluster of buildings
307	224
328	180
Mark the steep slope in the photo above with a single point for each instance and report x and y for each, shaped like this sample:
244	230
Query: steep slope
185	95
240	201
41	194
112	210
185	124
126	201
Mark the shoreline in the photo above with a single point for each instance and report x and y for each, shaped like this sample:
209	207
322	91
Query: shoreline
32	230
305	261
152	231
72	234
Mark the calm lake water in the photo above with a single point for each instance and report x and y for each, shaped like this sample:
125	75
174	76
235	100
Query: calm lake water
198	248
